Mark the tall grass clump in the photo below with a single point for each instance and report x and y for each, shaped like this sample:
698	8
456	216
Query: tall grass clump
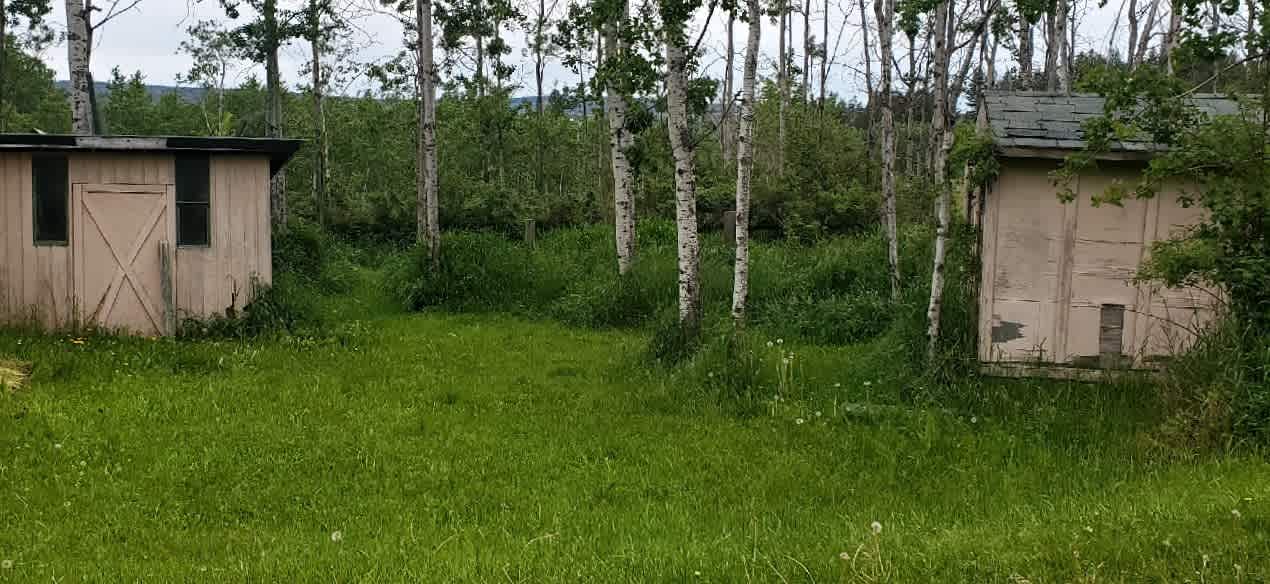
1218	393
834	292
307	266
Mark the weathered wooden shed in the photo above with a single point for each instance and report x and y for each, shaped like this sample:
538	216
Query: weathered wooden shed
1057	285
131	233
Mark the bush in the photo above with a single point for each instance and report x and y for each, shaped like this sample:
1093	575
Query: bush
1218	393
289	306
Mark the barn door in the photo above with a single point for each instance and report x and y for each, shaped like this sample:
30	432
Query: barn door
123	255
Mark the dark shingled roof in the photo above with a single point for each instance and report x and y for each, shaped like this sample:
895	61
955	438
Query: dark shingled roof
1050	121
279	151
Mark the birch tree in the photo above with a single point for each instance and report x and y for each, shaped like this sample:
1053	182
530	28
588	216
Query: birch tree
885	14
782	83
261	39
745	166
428	204
621	139
77	47
675	15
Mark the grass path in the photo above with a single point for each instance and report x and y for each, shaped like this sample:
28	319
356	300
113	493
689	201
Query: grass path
465	448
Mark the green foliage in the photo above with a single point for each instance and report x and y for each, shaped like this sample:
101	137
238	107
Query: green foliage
831	293
1218	393
31	101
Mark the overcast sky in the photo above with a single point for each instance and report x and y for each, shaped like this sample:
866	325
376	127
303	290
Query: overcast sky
148	38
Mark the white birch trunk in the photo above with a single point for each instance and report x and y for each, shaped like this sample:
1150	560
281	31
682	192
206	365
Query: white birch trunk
941	144
935	309
681	143
77	57
620	142
885	13
745	168
321	173
428	205
939	85
806	88
782	81
727	105
273	111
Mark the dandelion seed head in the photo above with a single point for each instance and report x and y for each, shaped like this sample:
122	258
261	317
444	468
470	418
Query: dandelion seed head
876	526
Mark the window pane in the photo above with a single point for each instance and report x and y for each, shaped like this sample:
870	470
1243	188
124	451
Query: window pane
49	189
193	224
192	178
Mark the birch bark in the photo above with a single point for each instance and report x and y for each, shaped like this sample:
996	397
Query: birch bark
428	207
685	182
885	14
745	168
620	142
77	57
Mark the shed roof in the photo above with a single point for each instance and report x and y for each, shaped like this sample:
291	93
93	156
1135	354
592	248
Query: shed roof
1037	124
279	151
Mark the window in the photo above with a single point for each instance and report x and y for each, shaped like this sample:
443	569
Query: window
49	189
193	200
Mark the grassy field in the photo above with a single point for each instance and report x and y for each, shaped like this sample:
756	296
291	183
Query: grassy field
484	448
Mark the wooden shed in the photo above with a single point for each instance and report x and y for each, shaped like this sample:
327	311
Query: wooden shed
133	234
1057	291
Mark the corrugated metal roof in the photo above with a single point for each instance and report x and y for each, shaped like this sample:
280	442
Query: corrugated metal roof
1053	121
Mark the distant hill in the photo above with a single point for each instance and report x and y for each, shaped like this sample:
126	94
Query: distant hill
190	94
195	94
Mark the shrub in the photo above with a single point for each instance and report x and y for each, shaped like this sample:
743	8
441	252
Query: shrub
289	306
1218	392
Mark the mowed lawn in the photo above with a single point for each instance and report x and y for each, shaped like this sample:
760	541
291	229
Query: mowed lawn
488	449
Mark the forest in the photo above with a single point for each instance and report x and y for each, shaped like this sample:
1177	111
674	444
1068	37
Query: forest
695	311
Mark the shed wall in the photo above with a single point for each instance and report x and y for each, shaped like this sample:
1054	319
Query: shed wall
36	282
1055	274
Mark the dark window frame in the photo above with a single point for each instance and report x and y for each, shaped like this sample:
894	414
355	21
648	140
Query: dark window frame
36	231
200	190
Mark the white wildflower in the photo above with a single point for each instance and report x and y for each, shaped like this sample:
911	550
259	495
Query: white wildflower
868	383
876	527
844	556
7	564
337	536
1235	513
770	344
817	413
696	573
57	446
837	385
799	421
1089	529
780	341
974	419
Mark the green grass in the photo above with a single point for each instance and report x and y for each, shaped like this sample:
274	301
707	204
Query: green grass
490	448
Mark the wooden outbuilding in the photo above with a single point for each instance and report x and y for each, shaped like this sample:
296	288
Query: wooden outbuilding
1057	291
133	234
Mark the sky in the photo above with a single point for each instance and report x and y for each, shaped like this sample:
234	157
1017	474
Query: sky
148	38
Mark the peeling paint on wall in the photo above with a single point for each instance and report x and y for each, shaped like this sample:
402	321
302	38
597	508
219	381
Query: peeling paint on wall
1005	331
